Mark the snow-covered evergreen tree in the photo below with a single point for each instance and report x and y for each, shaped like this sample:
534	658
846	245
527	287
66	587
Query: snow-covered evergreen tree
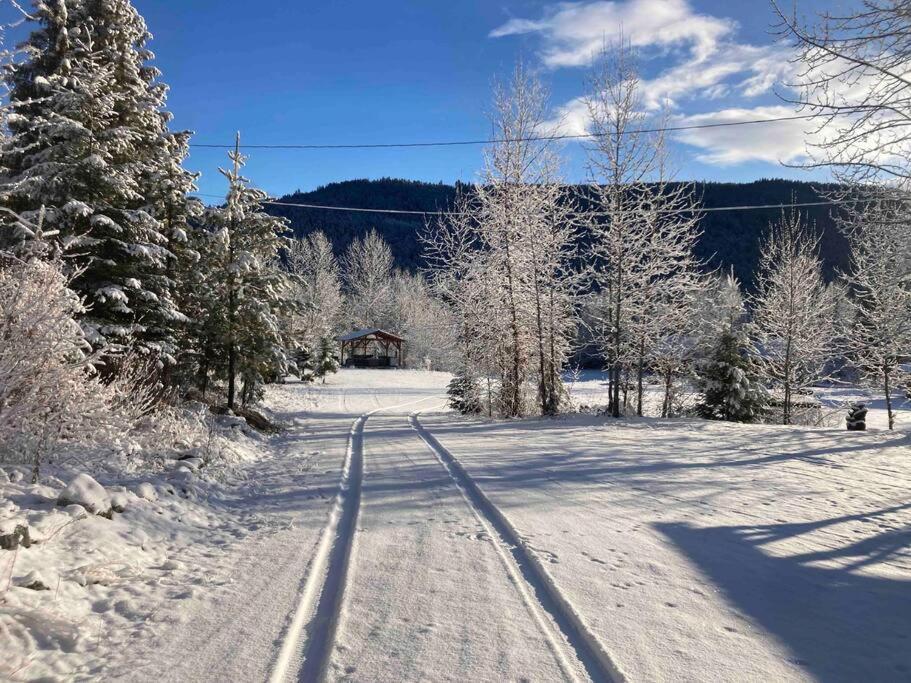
729	382
464	394
248	290
89	141
326	361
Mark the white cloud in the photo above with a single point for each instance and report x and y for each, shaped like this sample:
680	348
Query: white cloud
571	119
780	141
707	64
575	31
747	70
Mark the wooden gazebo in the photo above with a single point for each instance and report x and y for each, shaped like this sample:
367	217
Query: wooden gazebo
373	348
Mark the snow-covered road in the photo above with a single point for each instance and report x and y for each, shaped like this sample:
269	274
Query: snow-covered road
390	540
369	560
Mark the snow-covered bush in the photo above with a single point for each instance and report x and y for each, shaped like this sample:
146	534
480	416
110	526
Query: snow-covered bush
48	388
326	358
54	400
731	391
464	394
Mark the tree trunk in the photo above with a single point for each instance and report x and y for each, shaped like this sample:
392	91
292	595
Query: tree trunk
888	396
640	370
787	403
668	387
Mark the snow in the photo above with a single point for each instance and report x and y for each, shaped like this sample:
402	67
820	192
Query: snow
88	493
712	551
368	543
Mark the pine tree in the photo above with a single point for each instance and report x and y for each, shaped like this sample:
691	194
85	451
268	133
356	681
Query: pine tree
464	395
731	390
248	290
89	140
326	361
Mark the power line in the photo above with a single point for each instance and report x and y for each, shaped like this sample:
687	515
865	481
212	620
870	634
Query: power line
709	209
532	138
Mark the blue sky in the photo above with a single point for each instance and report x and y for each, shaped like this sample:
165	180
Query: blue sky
414	70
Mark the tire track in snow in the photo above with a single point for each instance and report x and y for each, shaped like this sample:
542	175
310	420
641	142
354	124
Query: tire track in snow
306	647
588	649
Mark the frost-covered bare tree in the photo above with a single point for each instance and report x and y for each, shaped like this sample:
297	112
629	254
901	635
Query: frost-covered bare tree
793	311
557	283
503	259
644	229
459	273
317	288
622	158
854	72
425	321
367	272
507	207
879	335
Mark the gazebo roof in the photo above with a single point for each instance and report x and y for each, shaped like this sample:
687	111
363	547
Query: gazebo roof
375	331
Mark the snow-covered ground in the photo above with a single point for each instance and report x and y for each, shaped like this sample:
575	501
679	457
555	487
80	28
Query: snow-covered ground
711	551
367	543
589	388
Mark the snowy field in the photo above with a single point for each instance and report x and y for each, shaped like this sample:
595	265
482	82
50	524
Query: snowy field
589	388
383	538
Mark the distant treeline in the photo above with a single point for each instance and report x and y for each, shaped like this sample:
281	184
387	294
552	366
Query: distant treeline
729	238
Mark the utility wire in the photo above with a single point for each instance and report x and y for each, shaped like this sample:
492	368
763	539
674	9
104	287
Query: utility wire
709	209
532	138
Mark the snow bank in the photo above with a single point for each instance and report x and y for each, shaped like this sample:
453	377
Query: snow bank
84	589
88	493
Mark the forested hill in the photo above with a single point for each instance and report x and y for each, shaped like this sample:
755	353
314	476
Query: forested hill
730	238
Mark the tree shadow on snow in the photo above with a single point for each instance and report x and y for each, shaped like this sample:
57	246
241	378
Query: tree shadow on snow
840	624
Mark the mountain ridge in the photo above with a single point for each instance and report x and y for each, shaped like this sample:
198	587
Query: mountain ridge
729	239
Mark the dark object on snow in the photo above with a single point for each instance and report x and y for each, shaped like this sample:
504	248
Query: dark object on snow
18	536
857	418
34	581
257	420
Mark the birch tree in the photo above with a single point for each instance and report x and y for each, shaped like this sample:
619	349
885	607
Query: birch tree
793	311
879	335
644	229
317	289
367	267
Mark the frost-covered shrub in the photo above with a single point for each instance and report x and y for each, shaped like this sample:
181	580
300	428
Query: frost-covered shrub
53	400
48	388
